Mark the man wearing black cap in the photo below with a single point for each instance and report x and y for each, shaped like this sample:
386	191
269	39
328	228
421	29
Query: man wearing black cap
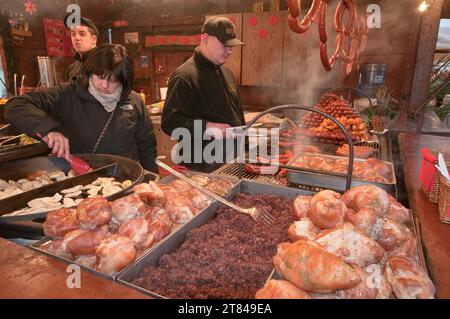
203	94
84	39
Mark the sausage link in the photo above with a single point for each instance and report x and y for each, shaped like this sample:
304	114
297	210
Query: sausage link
294	7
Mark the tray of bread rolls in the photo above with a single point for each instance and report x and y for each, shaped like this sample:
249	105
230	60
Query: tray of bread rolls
374	251
329	172
107	237
222	253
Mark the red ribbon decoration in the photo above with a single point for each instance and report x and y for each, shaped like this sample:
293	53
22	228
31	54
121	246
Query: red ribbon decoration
174	38
162	40
273	20
262	33
197	38
185	40
252	21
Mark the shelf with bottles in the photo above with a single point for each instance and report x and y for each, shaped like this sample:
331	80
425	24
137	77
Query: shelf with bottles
21	33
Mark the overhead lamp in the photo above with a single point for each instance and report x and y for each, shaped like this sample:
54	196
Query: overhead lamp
423	6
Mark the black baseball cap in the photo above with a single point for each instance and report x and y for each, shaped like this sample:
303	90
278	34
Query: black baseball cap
223	29
83	21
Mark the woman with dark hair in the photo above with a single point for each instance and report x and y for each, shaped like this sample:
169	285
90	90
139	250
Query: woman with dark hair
98	113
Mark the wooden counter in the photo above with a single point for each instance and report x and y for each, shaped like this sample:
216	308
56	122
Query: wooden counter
435	235
25	273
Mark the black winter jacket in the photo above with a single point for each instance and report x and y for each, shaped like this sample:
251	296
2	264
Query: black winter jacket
74	70
199	89
73	111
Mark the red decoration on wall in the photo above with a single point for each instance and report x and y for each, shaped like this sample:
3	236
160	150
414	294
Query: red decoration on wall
162	40
121	23
171	39
233	20
57	38
262	33
273	20
185	40
30	7
197	38
252	21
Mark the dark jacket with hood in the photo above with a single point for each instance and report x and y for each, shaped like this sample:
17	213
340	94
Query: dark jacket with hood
74	69
201	90
73	111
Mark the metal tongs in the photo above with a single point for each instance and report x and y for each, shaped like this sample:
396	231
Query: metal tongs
255	213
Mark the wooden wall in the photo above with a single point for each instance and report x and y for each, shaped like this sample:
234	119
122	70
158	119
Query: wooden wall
25	51
301	73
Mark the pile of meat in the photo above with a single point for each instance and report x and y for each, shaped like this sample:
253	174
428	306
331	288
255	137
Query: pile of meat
108	236
356	246
371	169
229	257
326	131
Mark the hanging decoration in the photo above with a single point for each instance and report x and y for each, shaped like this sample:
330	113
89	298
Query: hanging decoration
263	33
351	36
273	20
30	7
252	21
181	38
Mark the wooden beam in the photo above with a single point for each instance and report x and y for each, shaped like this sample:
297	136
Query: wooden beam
426	47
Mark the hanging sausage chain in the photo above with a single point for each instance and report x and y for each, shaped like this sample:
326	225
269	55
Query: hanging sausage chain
351	37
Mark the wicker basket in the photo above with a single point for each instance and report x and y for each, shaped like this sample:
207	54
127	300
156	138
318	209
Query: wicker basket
444	199
433	193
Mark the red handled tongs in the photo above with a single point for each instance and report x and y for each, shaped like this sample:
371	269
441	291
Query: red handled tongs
77	164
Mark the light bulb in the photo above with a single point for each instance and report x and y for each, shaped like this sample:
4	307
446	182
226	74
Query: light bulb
423	6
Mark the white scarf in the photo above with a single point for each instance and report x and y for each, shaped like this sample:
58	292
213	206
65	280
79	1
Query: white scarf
109	101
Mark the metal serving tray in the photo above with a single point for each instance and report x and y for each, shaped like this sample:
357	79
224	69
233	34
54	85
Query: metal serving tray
177	238
309	177
413	224
107	166
177	227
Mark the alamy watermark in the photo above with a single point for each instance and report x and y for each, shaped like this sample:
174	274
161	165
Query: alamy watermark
213	146
74	18
74	279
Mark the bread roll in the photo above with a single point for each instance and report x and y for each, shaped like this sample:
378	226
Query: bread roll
93	212
327	210
408	279
60	222
127	208
281	289
301	206
114	253
311	268
85	243
367	196
350	244
151	194
303	229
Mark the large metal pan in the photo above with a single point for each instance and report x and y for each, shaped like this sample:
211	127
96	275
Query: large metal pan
176	227
113	166
178	237
334	181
